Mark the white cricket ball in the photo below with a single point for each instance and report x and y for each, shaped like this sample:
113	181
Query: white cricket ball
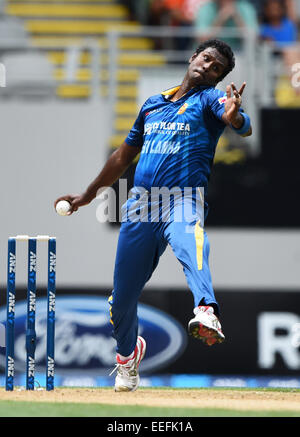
63	207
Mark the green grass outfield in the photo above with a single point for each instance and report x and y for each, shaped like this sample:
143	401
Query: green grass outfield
13	408
48	409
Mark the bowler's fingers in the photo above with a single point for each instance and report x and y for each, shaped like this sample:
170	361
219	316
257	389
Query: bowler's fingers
235	91
237	94
77	202
69	198
242	88
228	92
74	205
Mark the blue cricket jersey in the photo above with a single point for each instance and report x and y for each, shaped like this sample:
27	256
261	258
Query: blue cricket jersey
178	139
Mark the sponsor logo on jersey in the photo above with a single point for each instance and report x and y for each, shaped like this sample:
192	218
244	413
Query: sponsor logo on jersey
222	100
153	111
167	128
183	108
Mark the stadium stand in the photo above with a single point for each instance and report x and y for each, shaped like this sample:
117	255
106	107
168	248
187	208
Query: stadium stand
62	30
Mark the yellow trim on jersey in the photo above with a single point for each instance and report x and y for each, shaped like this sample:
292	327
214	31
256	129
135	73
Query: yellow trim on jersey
171	91
199	237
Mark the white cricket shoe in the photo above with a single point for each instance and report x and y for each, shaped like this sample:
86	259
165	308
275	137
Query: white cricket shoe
206	326
127	378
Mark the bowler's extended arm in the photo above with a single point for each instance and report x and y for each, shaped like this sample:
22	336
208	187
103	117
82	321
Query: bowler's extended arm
115	166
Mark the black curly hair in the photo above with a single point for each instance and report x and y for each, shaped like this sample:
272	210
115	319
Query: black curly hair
224	49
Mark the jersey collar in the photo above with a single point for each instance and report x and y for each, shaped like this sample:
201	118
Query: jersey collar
171	91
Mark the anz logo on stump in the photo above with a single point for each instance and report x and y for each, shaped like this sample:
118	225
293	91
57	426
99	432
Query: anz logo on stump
83	336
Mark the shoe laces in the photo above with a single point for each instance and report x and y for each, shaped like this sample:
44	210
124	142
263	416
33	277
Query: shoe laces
123	370
204	309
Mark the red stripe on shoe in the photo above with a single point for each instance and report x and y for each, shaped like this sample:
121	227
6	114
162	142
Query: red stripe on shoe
126	361
141	354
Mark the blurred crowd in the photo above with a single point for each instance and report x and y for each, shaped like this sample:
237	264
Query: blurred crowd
275	21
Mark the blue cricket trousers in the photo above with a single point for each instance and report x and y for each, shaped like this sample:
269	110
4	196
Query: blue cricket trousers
140	246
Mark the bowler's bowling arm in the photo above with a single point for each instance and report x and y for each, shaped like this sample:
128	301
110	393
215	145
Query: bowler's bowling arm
115	167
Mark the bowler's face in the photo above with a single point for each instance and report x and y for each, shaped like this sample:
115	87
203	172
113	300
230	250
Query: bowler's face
207	67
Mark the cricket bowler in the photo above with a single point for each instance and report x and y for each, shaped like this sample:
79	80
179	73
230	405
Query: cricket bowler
176	134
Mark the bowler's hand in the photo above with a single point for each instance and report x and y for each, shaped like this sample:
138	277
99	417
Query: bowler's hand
76	201
233	104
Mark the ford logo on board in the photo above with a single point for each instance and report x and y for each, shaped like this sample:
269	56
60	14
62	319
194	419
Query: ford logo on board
83	336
